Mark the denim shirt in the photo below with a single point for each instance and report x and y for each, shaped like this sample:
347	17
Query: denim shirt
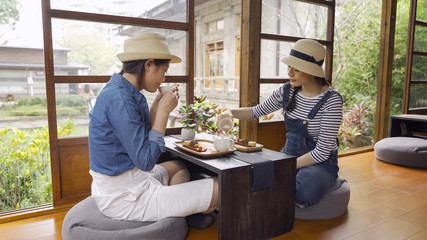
120	134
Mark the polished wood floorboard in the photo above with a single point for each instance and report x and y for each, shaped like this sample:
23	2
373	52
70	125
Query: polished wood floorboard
387	202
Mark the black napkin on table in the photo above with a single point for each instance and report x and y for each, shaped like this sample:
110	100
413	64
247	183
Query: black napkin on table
263	169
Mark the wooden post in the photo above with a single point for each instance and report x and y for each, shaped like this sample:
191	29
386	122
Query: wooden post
250	62
385	67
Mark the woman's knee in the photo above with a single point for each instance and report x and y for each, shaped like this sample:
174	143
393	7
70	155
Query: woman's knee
308	197
312	184
177	171
215	196
174	166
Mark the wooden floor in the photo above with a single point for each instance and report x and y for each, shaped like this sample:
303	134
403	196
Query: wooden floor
387	202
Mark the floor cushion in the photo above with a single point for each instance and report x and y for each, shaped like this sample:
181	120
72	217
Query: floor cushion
85	221
405	151
333	204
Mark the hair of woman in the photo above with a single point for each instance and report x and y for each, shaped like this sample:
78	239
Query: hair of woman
137	66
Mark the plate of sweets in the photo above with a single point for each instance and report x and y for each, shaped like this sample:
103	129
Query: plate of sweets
246	145
201	147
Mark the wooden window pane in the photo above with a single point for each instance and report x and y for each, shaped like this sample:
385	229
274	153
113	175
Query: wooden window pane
211	65
294	18
420	40
265	91
211	47
73	104
83	98
421	7
219	45
161	10
419	68
418	96
211	27
215	58
271	54
220	64
238	19
94	47
220	24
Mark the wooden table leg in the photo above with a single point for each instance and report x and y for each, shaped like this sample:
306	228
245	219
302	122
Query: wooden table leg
244	214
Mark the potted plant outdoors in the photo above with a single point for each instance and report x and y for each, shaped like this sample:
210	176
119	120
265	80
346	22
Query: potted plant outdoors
188	120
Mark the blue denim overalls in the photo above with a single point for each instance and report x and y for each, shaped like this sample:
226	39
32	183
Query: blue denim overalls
312	182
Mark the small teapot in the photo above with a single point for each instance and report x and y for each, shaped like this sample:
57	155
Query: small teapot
226	124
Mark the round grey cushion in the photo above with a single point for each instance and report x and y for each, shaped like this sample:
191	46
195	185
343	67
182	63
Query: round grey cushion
85	221
405	151
333	204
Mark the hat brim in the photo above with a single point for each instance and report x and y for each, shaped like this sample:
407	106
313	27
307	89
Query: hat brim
133	56
304	66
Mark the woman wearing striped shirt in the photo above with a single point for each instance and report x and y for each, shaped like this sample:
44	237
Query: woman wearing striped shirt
313	114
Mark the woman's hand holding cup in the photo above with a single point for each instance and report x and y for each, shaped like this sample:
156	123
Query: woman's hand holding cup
170	88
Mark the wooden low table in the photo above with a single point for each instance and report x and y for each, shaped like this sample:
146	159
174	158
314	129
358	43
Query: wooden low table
243	213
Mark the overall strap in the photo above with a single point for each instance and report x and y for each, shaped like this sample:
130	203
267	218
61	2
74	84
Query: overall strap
286	90
320	103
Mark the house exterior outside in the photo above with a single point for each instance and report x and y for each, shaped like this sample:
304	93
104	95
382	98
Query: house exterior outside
22	72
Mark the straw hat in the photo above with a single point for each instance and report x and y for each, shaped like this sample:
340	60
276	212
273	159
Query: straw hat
146	46
307	56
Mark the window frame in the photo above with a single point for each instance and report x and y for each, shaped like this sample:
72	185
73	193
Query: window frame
213	51
216	26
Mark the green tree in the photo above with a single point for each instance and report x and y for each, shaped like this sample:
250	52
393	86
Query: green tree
399	60
357	39
356	55
9	13
356	52
89	46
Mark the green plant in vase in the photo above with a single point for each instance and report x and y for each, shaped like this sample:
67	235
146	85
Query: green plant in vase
188	121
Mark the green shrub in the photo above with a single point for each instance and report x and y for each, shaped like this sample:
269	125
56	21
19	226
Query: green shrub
32	101
66	105
25	172
356	129
70	101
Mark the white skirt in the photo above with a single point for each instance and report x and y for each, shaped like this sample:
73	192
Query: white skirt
145	196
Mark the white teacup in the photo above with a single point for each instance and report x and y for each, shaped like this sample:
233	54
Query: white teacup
168	88
223	144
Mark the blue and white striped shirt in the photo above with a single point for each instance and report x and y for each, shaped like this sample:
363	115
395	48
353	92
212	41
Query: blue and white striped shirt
323	128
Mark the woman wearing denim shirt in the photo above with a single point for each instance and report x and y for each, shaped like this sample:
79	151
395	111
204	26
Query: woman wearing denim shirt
126	139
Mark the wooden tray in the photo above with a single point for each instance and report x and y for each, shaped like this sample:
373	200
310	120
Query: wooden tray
210	152
245	148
